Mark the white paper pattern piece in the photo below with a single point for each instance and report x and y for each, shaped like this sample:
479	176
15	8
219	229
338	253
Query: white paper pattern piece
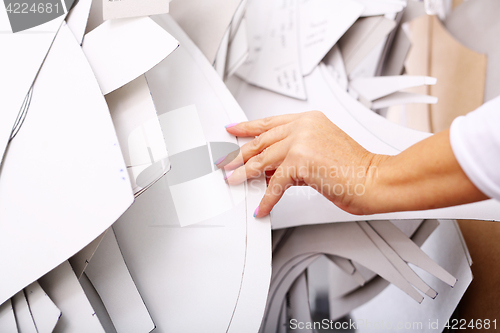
7	318
182	129
381	7
22	312
118	51
238	49
305	205
70	171
211	193
19	67
65	159
373	88
139	133
205	22
63	288
240	245
114	9
110	277
273	62
43	310
445	246
363	37
78	17
136	123
322	23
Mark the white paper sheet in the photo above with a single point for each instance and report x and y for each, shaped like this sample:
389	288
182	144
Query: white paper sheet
78	17
182	129
299	308
63	180
123	9
396	261
343	283
120	50
337	239
376	87
300	242
238	49
43	310
19	67
62	286
335	64
174	284
205	22
301	205
445	247
81	259
95	300
95	16
110	277
409	251
381	7
282	328
7	318
321	24
139	133
277	294
343	263
362	38
24	320
402	97
220	61
352	298
273	62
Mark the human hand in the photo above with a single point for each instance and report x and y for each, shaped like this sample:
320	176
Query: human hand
303	149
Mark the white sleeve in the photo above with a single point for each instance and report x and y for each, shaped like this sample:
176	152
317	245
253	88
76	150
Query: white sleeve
475	140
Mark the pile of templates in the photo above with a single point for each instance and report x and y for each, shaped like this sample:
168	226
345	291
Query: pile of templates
114	217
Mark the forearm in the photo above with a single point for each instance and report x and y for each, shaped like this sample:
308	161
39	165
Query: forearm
424	176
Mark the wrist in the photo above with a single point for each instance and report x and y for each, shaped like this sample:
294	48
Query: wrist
376	183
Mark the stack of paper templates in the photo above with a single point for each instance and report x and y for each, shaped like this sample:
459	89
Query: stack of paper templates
114	217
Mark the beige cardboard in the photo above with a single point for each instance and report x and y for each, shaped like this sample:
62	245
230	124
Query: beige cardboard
460	72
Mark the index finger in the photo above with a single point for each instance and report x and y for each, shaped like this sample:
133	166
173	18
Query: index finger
259	126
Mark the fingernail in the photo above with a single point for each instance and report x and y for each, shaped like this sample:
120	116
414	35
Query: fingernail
256	212
231	125
220	160
228	174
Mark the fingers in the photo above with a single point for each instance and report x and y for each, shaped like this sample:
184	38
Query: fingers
257	127
280	181
269	159
255	147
